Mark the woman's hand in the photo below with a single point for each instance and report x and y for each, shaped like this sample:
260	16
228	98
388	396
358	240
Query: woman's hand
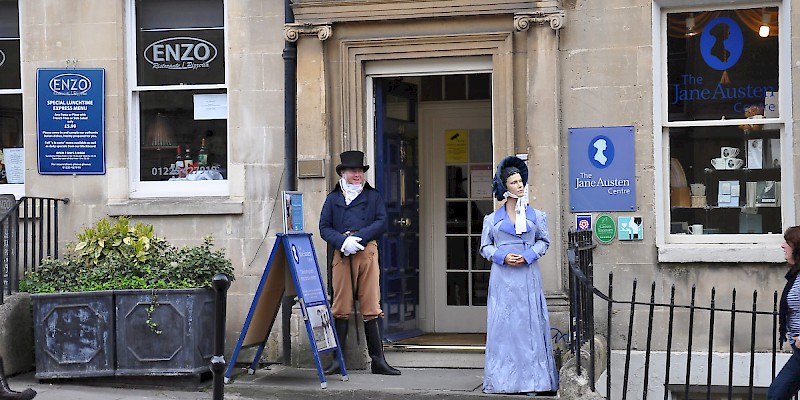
796	341
515	260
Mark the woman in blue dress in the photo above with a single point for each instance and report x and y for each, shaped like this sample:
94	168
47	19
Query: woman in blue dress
519	351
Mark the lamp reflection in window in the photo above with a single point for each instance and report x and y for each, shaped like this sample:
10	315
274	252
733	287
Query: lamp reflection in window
763	31
690	26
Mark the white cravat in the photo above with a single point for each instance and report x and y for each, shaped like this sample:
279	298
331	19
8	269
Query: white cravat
521	225
350	191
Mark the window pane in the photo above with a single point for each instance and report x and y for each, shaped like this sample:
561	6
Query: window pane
177	14
725	180
455	87
457	253
9	45
180	57
480	86
10	127
10	64
478	262
480	288
456	217
457	288
9	19
480	145
169	122
456	181
718	65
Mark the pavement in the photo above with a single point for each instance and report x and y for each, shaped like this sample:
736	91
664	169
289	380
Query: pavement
278	382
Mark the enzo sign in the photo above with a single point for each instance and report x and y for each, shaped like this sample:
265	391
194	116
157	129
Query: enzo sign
180	53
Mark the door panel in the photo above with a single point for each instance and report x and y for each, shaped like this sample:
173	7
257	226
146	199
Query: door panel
459	156
397	178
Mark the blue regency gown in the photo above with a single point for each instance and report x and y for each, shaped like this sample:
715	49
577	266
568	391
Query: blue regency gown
519	352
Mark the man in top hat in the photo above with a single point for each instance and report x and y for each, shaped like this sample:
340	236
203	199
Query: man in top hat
352	219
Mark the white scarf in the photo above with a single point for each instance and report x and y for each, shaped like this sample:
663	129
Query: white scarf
521	225
350	191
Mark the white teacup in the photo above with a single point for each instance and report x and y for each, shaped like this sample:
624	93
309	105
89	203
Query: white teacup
733	163
719	163
729	151
696	229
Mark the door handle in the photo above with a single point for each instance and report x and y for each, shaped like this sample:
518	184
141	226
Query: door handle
403	221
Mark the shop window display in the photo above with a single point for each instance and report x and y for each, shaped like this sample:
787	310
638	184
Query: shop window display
10	95
724	177
181	94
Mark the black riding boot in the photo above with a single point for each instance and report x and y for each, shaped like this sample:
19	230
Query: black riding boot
341	329
7	394
375	346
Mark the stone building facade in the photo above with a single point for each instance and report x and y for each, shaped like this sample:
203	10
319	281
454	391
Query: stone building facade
435	92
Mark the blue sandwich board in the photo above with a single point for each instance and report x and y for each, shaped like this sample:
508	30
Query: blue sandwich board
295	252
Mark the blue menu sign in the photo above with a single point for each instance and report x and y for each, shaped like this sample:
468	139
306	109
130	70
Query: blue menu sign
601	169
70	121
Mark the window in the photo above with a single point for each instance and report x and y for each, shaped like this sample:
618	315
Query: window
12	165
180	98
726	148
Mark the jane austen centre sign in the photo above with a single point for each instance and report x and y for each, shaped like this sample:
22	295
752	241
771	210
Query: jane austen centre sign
601	169
70	121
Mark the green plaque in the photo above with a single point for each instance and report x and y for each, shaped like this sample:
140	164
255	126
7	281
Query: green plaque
605	229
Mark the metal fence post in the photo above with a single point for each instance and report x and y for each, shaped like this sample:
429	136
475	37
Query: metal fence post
220	283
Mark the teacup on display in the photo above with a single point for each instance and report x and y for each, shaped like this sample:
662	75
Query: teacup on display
733	163
698	189
729	151
719	163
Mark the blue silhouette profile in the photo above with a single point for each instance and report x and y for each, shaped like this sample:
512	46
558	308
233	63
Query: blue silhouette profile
721	43
601	151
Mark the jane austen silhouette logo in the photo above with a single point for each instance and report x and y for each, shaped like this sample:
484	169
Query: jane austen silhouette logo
721	43
601	151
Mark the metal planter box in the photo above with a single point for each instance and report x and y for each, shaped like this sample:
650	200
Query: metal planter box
185	320
74	334
105	333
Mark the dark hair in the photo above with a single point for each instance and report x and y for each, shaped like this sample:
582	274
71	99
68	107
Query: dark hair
508	172
792	237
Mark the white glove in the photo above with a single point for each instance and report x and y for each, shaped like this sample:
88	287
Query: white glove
351	245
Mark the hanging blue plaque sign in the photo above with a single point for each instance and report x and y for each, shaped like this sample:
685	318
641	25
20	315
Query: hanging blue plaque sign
70	121
601	169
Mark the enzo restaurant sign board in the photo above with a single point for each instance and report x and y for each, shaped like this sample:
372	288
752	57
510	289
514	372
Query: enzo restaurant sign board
601	169
179	57
70	121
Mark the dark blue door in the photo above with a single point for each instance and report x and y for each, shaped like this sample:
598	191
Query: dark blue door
397	178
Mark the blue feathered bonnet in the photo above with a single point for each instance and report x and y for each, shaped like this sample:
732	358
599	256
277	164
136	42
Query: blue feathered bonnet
499	184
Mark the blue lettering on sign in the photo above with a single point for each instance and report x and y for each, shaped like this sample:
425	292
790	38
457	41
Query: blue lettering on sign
721	43
180	53
70	84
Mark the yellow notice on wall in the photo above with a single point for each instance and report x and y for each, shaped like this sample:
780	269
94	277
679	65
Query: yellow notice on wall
456	145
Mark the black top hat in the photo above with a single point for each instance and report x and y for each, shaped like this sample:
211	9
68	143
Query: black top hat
351	159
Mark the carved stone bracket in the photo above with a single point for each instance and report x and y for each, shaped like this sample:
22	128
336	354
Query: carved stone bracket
292	32
523	21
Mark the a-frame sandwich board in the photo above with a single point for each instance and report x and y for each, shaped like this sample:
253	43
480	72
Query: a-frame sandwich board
293	252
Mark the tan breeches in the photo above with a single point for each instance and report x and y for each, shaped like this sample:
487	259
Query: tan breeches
366	275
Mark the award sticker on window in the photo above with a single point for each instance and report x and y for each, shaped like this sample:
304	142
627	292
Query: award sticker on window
630	228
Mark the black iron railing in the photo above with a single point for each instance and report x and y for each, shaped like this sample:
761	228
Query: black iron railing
678	350
28	233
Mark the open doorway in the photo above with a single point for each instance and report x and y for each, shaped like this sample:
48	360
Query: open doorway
433	149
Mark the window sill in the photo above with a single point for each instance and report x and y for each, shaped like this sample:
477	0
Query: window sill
186	206
721	253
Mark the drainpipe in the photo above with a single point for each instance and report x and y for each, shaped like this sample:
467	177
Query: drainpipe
289	157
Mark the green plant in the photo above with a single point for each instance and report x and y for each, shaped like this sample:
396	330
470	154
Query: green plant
113	254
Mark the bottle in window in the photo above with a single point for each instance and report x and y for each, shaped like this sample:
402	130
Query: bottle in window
179	165
202	156
188	163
